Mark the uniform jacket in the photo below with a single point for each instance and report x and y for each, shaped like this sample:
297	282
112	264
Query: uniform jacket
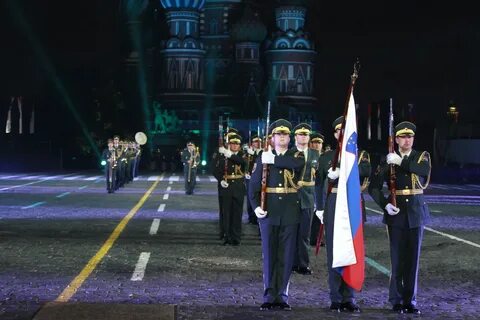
282	208
306	194
412	173
235	166
325	162
186	155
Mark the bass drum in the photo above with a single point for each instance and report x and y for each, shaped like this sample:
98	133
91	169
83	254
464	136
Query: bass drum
141	138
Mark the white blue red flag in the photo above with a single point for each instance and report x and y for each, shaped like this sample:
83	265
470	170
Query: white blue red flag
348	248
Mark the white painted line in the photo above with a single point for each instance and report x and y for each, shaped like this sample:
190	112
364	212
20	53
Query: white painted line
377	266
152	178
9	177
63	194
92	178
30	183
74	177
30	177
169	188
140	266
154	227
212	179
197	179
436	211
82	187
174	178
170	182
161	208
440	233
165	196
36	204
161	177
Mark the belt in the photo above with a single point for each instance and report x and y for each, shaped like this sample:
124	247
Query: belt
281	190
306	183
408	192
233	176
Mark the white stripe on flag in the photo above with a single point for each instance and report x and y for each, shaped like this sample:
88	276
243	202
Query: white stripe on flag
343	248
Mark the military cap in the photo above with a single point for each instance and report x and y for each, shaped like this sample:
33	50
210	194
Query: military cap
235	138
255	137
230	132
405	128
280	126
302	128
190	143
337	124
116	137
317	137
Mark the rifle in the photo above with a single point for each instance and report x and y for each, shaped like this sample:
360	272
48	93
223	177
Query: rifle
353	78
391	149
263	194
225	168
258	131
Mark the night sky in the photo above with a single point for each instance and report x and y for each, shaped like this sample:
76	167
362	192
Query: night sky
426	54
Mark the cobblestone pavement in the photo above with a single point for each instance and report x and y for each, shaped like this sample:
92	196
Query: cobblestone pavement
44	247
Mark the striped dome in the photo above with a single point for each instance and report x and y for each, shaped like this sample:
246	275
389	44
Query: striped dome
182	4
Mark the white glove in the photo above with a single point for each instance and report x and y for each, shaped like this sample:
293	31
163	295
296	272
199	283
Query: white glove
247	176
393	158
268	157
333	174
319	214
224	184
227	153
391	209
260	213
221	150
250	151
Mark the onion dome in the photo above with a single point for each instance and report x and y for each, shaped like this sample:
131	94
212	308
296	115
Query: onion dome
183	4
249	28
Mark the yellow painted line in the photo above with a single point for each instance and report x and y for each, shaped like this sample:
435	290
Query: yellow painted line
72	288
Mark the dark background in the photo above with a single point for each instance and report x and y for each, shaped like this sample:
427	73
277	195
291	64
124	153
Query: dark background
421	53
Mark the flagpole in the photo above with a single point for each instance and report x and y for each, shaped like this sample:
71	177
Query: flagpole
337	155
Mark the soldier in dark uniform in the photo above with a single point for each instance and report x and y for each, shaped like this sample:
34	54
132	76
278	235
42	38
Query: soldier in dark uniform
316	143
251	155
190	159
406	221
279	222
216	157
342	296
306	195
108	155
118	154
232	190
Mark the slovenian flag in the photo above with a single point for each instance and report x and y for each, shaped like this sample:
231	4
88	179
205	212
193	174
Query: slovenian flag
348	249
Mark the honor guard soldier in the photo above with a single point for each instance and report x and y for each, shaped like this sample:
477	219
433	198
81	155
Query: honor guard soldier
251	155
342	296
316	143
405	221
279	222
230	171
216	157
190	158
108	155
306	195
117	145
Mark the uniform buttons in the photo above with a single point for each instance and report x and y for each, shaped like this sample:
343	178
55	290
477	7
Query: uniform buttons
279	184
279	198
280	171
406	200
406	187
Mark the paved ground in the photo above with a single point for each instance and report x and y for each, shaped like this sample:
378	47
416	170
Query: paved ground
54	227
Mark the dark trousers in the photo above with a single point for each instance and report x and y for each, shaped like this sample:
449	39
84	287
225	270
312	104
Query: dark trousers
278	249
189	184
302	258
252	218
405	246
232	217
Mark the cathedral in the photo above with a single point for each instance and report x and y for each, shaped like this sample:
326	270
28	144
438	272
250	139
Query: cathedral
217	58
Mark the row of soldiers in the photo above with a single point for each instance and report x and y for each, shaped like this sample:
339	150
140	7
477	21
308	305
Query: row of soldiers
122	160
297	203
